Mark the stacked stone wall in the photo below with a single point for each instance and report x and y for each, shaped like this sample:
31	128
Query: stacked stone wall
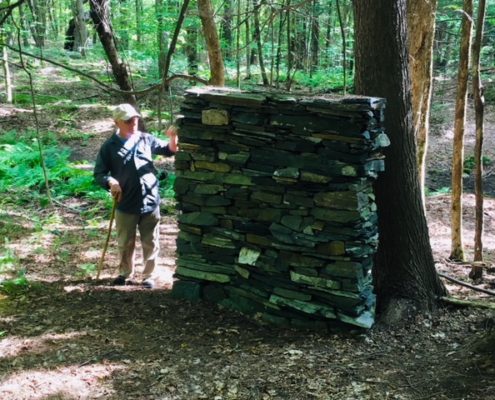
277	212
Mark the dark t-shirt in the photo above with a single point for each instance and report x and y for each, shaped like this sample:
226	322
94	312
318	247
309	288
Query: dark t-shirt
130	162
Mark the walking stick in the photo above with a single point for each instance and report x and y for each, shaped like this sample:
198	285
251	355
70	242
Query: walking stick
102	258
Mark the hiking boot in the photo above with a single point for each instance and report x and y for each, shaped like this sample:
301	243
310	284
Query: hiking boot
119	281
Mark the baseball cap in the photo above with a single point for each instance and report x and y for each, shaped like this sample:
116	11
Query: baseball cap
124	112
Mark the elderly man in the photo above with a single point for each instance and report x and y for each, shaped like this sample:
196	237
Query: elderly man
124	165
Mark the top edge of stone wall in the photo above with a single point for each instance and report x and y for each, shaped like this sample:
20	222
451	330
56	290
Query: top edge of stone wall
267	97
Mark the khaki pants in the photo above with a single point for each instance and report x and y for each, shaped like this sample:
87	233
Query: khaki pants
149	230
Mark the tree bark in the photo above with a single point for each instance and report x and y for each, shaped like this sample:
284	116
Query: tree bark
80	31
479	107
24	25
421	24
315	36
457	247
227	30
192	49
404	266
101	18
162	37
344	46
247	26
7	76
139	19
278	58
38	27
217	70
259	45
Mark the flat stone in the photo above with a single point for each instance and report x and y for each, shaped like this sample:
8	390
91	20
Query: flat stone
218	241
365	320
292	294
187	290
215	117
202	275
212	166
198	218
345	269
314	281
306	307
334	248
248	256
208	188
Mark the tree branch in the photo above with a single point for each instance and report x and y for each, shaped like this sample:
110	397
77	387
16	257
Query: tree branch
465	284
8	10
467	303
173	42
104	85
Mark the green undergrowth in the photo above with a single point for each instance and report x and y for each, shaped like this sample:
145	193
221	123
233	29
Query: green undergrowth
21	173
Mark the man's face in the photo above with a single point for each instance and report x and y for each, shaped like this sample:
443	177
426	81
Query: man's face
128	127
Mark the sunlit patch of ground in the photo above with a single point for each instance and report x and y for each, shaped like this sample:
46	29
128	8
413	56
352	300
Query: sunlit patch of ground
14	346
72	382
439	217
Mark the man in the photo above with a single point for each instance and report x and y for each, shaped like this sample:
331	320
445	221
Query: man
124	165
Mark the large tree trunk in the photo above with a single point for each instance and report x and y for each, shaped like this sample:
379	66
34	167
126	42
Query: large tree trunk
404	262
457	247
217	70
101	18
479	106
421	20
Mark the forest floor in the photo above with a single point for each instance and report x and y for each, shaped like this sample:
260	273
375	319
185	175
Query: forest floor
70	337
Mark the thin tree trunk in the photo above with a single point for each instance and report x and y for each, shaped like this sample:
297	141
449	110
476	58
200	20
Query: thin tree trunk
315	36
173	42
80	31
272	48
248	42
161	36
479	106
259	45
7	76
38	27
405	270
227	28
101	18
217	70
238	45
290	43
457	248
278	59
344	47
421	23
191	48
139	19
50	11
24	25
